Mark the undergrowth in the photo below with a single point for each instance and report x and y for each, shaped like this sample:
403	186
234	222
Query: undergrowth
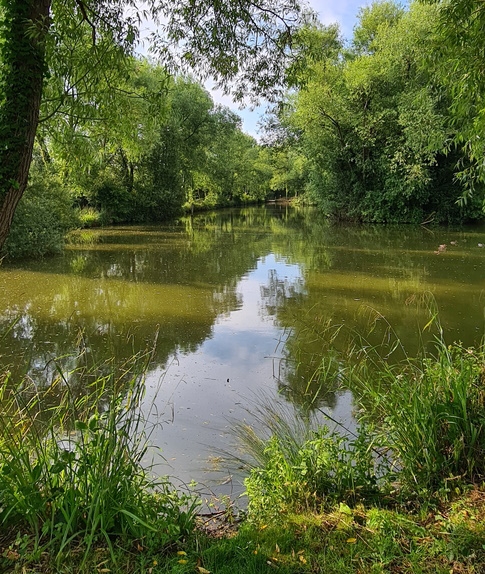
420	432
73	469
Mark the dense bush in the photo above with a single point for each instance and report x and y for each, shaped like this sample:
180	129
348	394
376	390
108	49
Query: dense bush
42	219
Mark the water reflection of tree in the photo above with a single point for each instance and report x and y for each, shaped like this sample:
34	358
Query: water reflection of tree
178	279
278	290
32	348
309	370
367	279
107	295
299	373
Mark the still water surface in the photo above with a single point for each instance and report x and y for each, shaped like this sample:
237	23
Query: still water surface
240	300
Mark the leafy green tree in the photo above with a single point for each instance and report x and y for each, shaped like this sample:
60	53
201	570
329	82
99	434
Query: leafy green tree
283	145
208	177
96	142
237	167
139	169
458	59
22	54
178	155
197	155
34	34
252	172
243	42
373	123
289	171
153	144
189	131
374	19
314	43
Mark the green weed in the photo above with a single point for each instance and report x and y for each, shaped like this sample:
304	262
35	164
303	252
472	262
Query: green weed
295	463
428	412
89	217
82	237
73	471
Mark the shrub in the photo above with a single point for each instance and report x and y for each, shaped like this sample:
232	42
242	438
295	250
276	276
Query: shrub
89	217
325	469
295	463
43	217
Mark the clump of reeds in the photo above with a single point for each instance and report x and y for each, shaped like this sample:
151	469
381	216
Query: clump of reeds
420	430
428	412
89	217
72	464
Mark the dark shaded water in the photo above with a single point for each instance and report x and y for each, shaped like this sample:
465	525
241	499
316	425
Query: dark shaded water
240	301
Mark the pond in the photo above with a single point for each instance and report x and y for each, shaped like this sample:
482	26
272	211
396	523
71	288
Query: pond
237	306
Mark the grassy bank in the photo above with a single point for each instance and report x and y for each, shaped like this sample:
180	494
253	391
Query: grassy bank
402	494
444	538
74	479
439	538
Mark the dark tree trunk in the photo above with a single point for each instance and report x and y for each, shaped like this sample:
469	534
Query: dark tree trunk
25	27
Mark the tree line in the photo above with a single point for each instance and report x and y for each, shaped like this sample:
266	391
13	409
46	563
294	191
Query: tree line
388	127
384	127
75	103
158	147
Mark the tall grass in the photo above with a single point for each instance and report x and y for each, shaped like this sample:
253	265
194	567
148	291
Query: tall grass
429	412
73	468
420	430
89	217
425	414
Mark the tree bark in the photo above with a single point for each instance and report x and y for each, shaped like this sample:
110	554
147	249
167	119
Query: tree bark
25	27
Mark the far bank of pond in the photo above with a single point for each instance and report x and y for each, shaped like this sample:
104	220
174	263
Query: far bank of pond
241	301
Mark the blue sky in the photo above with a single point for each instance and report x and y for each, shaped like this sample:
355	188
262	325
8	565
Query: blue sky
330	11
342	11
